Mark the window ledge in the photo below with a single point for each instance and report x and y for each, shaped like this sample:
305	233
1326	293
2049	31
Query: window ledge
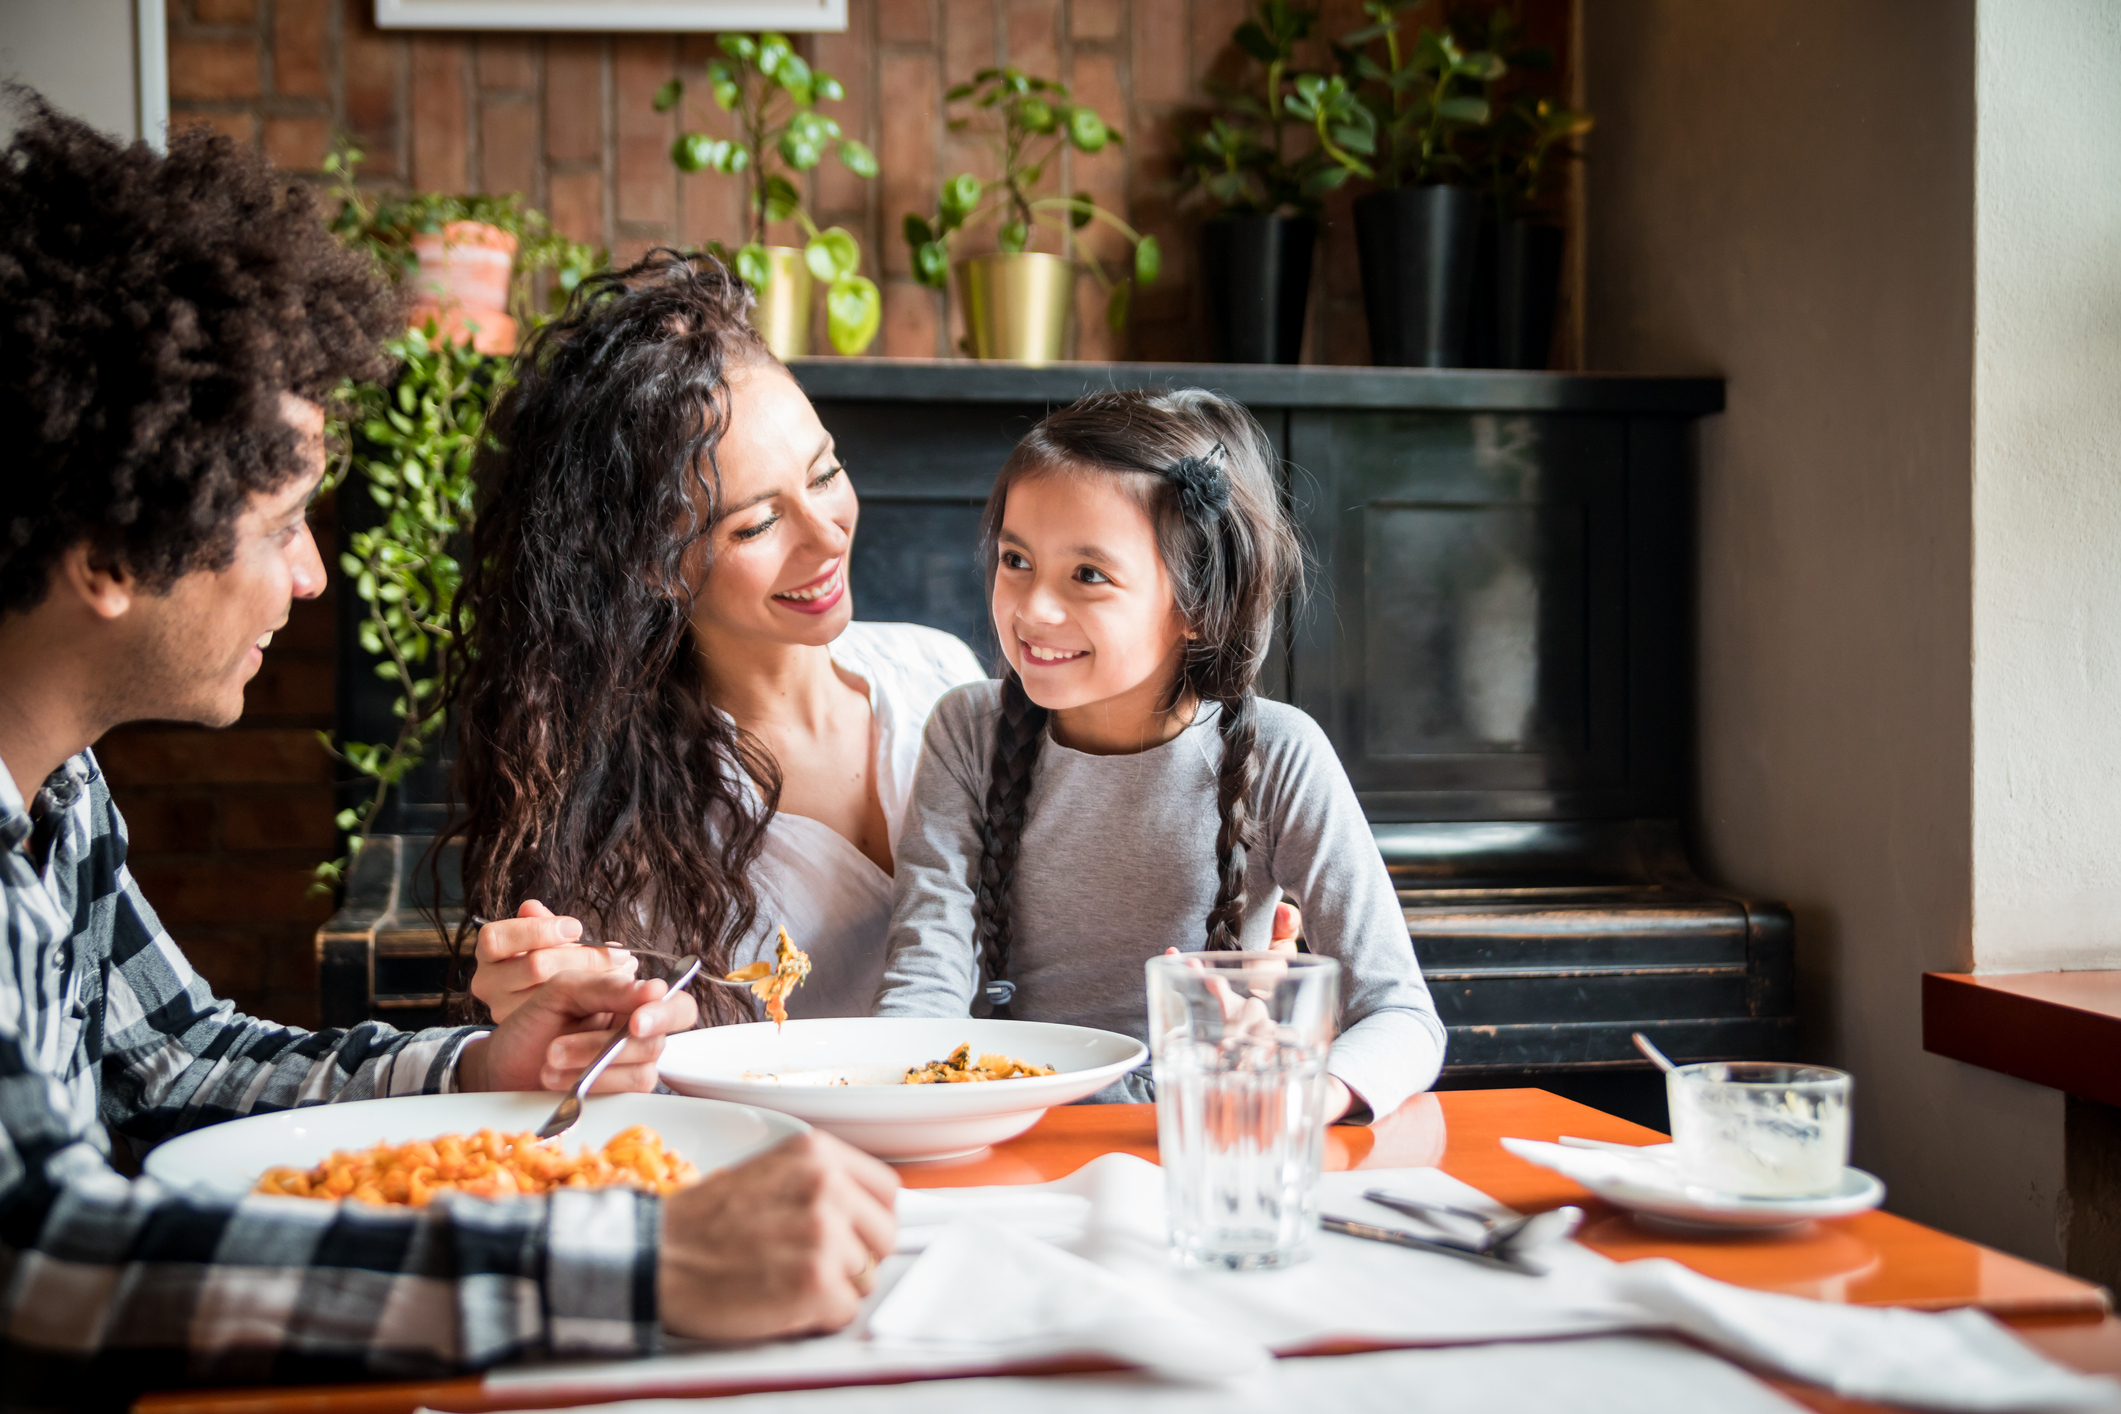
2058	1029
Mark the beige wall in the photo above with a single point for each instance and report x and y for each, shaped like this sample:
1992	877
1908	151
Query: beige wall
2047	497
1784	193
85	56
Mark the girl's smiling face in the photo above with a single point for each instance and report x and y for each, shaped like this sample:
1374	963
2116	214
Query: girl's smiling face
1084	609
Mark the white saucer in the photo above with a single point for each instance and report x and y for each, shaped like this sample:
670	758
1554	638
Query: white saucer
1692	1209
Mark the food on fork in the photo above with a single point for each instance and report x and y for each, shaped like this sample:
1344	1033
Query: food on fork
483	1165
957	1068
774	980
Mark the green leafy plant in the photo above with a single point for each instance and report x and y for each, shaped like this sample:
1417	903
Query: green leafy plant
1030	121
774	94
1526	129
1240	161
385	225
410	446
1392	122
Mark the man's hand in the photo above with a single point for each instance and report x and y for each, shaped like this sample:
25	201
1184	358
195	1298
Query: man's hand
518	955
548	1041
786	1244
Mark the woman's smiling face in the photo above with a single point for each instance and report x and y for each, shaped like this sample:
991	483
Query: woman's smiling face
779	545
1084	609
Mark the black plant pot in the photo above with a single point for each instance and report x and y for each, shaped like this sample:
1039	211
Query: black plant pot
1522	261
1258	278
1417	248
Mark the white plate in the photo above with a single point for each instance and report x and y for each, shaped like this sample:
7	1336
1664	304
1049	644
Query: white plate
794	1070
225	1160
1701	1209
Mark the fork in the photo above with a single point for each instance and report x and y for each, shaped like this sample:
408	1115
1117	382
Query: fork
656	953
1499	1236
570	1107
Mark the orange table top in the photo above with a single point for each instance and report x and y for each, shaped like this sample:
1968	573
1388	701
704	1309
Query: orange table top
1872	1258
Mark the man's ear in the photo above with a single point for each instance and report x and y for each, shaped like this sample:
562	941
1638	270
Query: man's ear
98	582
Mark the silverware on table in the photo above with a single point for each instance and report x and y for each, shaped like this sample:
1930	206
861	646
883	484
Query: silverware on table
1503	1237
570	1108
1400	1237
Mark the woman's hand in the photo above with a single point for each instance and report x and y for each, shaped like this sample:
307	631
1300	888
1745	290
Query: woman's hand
518	955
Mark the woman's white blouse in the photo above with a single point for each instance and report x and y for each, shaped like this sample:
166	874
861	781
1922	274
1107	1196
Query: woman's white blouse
834	901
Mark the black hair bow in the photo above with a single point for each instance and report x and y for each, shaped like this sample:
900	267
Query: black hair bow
1203	488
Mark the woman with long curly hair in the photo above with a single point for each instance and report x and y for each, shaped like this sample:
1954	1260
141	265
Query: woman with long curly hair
670	726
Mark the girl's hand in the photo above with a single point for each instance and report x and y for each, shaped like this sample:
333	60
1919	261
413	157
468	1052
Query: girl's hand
518	955
1288	927
1249	1013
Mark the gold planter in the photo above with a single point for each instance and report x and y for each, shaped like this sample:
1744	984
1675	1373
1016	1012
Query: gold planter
1018	307
782	315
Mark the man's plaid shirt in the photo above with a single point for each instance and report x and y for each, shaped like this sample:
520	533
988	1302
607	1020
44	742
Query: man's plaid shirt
103	1023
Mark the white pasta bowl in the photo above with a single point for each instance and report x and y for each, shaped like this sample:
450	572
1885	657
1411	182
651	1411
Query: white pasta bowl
226	1160
843	1075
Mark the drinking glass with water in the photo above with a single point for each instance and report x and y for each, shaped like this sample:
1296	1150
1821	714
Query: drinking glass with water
1239	1042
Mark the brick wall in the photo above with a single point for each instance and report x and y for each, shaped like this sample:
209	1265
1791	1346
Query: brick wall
226	825
567	120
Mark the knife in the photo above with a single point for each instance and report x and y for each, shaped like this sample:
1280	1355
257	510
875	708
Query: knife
1400	1237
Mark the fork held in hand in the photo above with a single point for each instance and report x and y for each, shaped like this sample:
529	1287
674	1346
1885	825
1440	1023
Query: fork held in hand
570	1108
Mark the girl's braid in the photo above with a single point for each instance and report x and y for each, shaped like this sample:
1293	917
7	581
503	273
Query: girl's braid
1233	803
1017	736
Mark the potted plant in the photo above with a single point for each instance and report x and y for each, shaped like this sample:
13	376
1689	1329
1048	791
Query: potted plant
774	93
1393	124
468	259
1256	248
1518	282
1019	303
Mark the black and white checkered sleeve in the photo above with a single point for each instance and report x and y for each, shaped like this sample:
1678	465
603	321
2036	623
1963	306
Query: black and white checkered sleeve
175	1057
127	1285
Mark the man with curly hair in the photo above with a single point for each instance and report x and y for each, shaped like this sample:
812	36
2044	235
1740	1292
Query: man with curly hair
168	329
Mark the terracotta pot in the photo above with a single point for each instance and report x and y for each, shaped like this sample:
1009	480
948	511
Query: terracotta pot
462	284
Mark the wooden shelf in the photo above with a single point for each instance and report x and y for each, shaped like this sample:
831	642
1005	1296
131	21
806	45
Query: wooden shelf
2059	1029
1276	385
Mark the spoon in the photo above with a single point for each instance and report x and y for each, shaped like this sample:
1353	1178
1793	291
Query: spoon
1503	1237
1657	1058
570	1109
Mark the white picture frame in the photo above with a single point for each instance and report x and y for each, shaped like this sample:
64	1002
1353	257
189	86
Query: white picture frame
660	16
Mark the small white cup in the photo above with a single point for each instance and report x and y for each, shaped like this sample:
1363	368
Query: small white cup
1761	1129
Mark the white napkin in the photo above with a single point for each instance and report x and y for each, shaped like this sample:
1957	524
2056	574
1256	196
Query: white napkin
1957	1360
983	1287
1646	1172
1111	1213
1601	1375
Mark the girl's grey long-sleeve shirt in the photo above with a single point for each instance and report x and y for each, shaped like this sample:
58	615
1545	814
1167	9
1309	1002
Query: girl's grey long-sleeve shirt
1117	863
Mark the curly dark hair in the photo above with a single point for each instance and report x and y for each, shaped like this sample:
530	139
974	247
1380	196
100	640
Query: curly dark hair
592	770
152	311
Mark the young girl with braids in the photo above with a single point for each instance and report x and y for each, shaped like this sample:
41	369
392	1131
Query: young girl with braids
1123	790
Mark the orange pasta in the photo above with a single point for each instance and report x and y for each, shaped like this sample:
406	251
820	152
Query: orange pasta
958	1068
484	1165
772	981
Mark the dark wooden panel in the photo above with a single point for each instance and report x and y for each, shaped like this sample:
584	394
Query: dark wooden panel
1458	389
1465	646
1602	1045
